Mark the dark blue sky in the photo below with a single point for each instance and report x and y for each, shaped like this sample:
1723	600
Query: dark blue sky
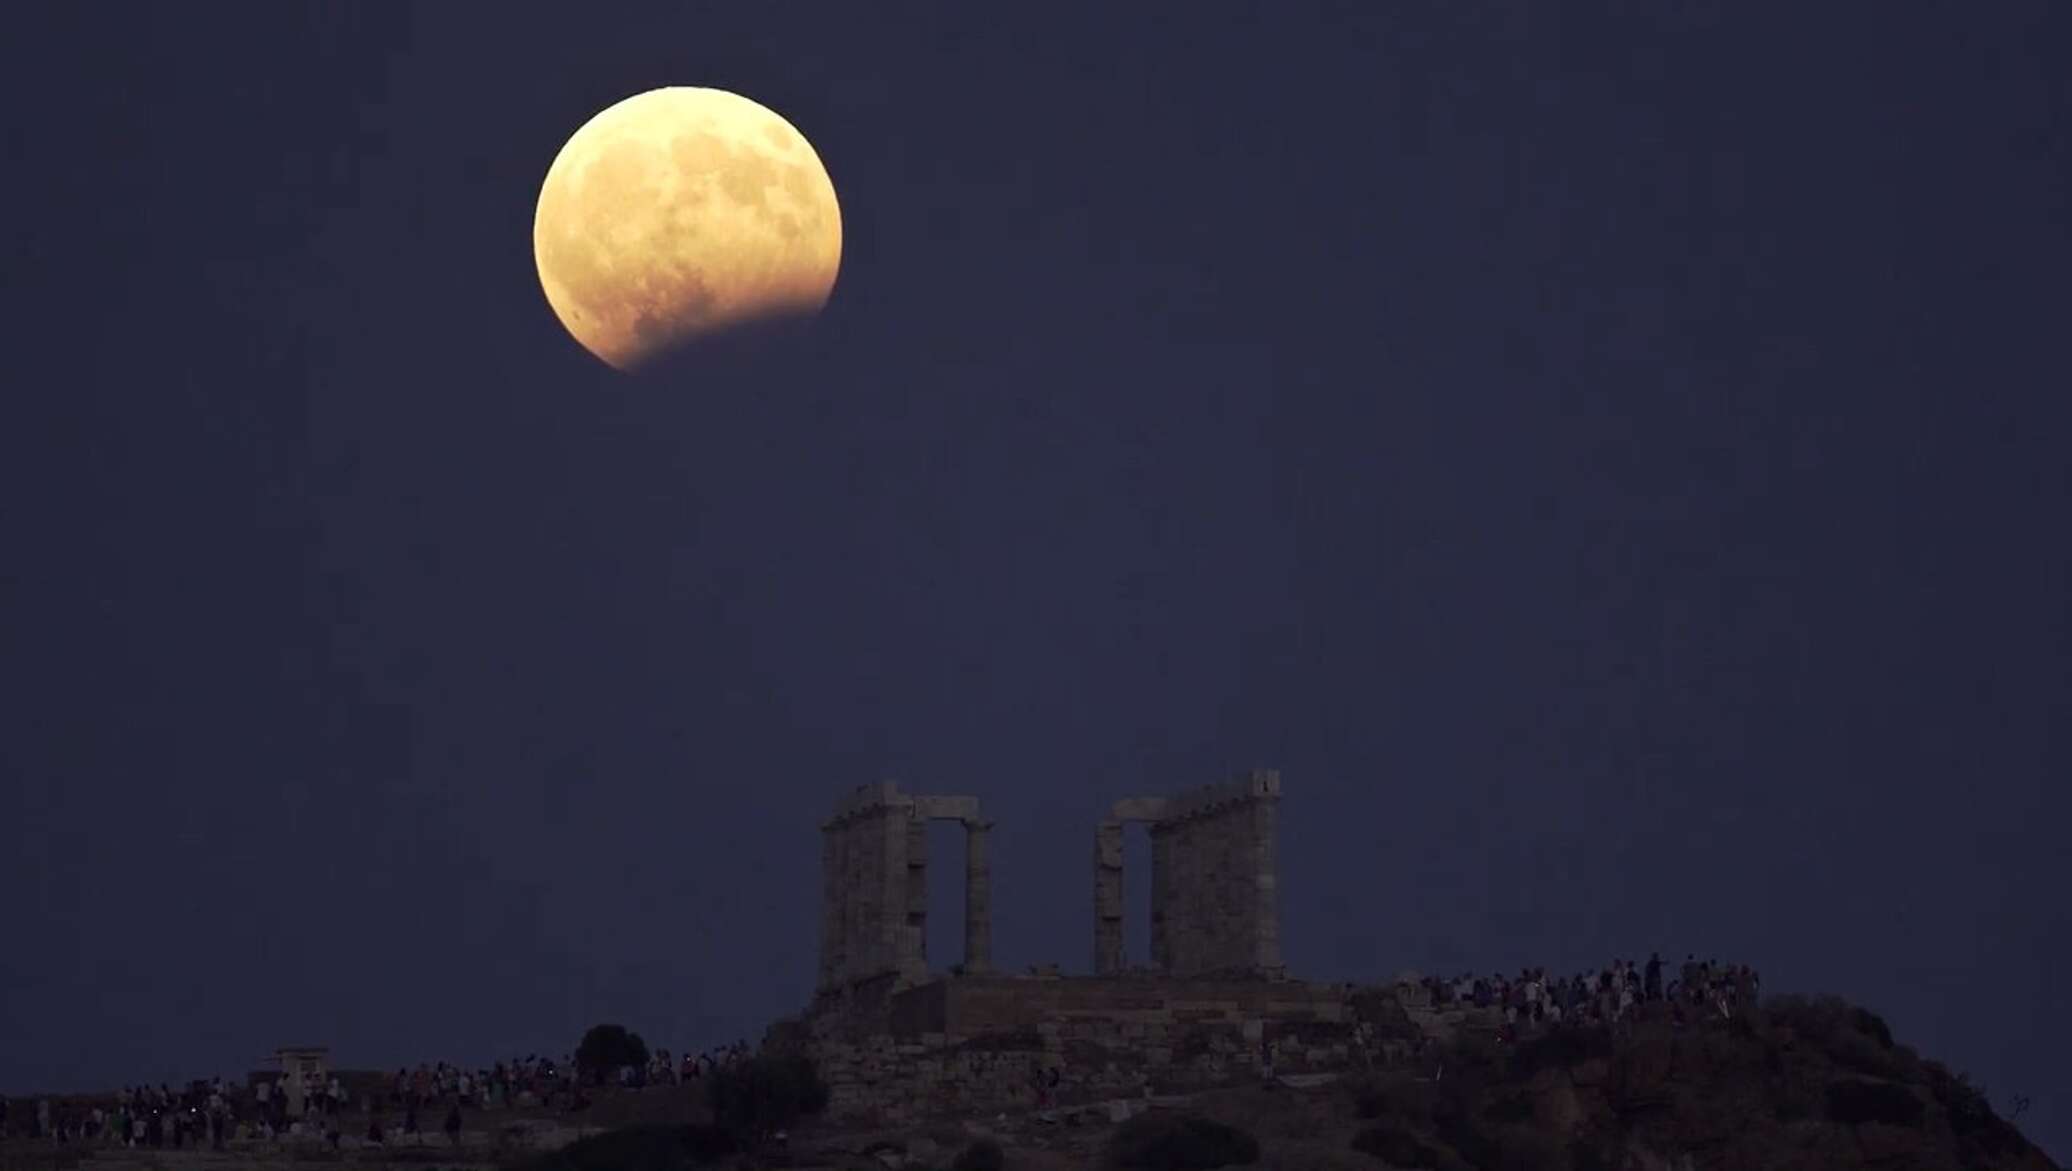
1614	461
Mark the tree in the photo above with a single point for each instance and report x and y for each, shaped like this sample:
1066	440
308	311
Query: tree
607	1047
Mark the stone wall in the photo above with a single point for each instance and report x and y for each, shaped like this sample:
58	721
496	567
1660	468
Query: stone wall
1215	892
977	1043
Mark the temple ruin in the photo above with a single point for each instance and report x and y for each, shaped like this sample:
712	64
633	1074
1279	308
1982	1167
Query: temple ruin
1214	907
897	1037
1214	894
874	896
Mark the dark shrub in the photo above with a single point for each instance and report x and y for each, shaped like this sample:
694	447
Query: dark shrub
639	1148
1180	1142
983	1155
1475	1051
1588	1154
1972	1118
765	1094
1527	1149
1457	1128
1793	1098
1375	1098
1872	1025
1562	1049
1401	1148
1853	1038
1854	1102
1515	1106
1196	1041
708	1143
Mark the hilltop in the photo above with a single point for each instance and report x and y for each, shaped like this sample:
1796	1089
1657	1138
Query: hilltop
1796	1084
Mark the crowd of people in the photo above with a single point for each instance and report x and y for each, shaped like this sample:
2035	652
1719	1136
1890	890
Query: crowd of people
219	1111
267	1108
1608	996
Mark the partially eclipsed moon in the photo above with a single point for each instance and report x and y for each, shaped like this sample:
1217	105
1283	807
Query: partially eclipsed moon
679	213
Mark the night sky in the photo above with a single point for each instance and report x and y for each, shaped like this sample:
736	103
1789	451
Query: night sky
1612	459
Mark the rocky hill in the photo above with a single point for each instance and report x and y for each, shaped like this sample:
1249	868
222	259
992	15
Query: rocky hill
1795	1084
1798	1084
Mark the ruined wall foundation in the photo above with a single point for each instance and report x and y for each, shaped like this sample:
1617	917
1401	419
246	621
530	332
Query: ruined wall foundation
962	1044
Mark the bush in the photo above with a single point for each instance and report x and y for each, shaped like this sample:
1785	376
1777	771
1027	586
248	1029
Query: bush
1872	1025
1854	1038
639	1148
1527	1149
1793	1098
1562	1048
1854	1102
607	1047
1399	1147
1514	1106
983	1155
1590	1153
1180	1142
1979	1130
1375	1098
1458	1128
765	1094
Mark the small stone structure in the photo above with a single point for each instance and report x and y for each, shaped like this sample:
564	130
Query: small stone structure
896	1041
303	1068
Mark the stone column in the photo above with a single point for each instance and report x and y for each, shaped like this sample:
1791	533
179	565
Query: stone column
1161	895
913	920
888	926
851	850
978	897
1108	898
1266	869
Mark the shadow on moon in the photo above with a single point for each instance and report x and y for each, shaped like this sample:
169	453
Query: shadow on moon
751	350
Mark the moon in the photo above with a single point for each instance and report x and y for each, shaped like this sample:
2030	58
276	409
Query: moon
682	213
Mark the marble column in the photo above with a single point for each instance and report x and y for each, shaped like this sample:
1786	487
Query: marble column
1108	898
1161	895
978	897
1266	893
912	924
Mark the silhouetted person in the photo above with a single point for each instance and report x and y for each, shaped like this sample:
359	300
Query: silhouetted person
1654	979
453	1123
